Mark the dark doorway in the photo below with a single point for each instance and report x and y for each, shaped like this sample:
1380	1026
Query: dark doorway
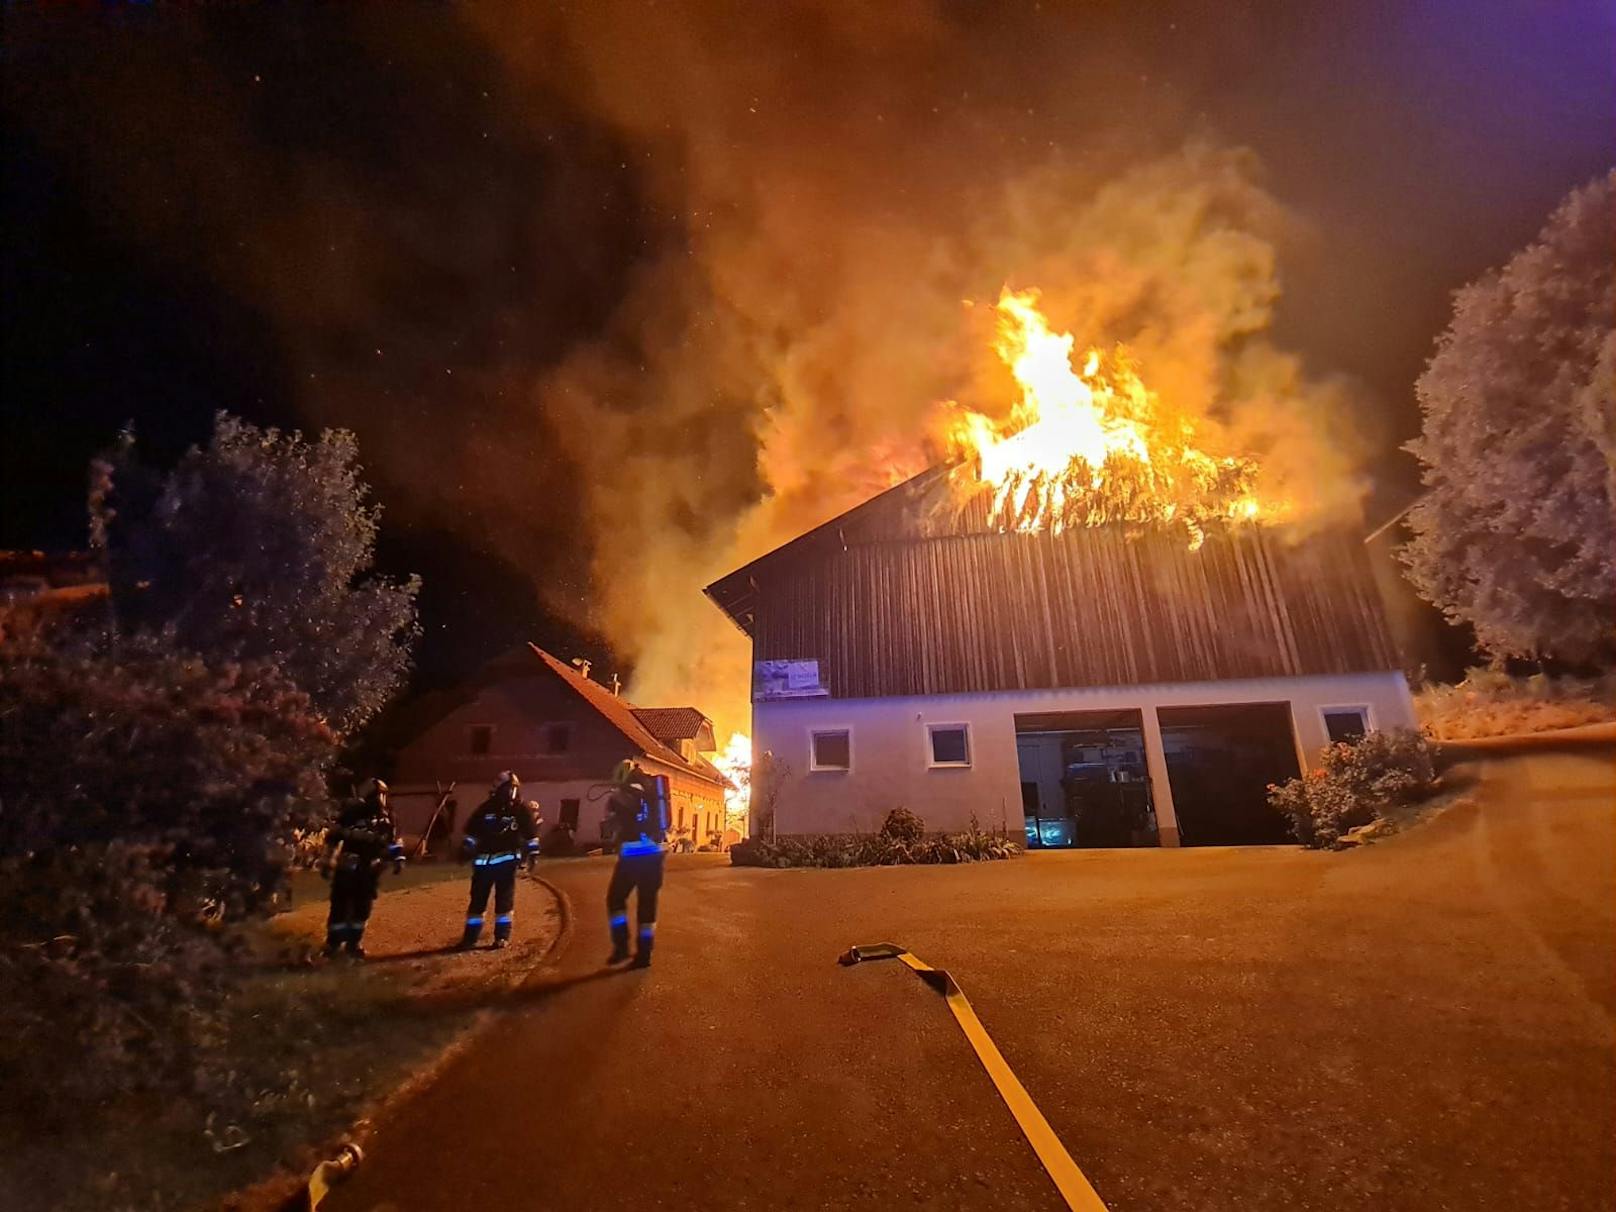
1220	761
1083	780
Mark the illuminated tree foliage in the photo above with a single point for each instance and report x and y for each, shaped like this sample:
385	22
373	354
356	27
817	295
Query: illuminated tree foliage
1516	533
259	547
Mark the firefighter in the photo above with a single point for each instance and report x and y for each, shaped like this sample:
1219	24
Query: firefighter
638	811
356	847
500	836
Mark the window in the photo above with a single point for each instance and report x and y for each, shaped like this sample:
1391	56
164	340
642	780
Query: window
482	739
950	744
831	750
557	738
1345	724
569	813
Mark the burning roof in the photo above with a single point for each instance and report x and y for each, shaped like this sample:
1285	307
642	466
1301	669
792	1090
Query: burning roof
1089	443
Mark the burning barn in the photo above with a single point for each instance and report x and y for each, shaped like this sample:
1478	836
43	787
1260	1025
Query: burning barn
1084	623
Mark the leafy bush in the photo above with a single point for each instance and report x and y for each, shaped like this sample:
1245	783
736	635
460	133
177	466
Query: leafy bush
871	850
148	801
1384	768
1320	808
1354	784
903	825
136	742
123	1000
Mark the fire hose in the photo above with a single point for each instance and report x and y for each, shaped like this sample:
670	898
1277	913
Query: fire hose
309	1196
1069	1180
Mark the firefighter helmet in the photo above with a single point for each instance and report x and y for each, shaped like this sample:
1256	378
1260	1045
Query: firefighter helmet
508	784
373	790
622	772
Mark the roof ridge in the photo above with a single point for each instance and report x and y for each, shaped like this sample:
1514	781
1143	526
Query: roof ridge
619	713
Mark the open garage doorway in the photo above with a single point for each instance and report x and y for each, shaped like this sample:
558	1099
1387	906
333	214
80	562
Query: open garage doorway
1220	761
1083	780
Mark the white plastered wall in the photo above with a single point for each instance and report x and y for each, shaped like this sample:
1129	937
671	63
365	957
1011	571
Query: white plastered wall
890	758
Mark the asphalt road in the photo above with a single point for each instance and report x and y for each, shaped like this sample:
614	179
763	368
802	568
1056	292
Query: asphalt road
1428	1023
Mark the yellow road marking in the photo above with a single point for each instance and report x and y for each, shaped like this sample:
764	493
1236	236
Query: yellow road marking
1073	1185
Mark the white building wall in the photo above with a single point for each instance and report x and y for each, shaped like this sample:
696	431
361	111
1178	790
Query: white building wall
890	759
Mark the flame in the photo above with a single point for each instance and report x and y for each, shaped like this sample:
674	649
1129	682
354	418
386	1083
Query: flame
736	765
1089	446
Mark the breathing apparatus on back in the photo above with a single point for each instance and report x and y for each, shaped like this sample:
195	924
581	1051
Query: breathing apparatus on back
638	808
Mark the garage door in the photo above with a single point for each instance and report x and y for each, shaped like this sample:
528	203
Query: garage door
1220	760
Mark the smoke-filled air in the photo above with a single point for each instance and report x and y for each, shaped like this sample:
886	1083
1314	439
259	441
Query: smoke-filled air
697	284
827	311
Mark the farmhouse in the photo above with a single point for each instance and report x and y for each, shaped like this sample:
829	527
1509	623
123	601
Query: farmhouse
562	733
1096	686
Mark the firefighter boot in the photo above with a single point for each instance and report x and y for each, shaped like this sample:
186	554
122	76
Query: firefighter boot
642	955
502	931
619	923
468	940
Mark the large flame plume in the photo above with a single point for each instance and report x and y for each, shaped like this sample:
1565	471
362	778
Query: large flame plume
1089	444
736	764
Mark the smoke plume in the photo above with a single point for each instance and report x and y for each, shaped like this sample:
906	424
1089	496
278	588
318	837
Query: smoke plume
791	352
625	295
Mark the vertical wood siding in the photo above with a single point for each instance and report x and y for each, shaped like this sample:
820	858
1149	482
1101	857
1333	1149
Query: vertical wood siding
1098	607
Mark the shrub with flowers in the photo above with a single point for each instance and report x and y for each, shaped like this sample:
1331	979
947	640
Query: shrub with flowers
1356	783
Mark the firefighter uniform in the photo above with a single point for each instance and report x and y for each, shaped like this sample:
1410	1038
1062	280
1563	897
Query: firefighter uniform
356	847
500	836
639	818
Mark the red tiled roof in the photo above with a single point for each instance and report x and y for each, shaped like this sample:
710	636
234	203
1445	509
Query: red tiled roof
625	718
671	723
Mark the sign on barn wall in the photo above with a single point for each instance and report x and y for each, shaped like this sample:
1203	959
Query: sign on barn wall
786	680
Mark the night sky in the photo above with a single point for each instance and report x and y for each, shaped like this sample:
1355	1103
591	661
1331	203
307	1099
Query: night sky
418	221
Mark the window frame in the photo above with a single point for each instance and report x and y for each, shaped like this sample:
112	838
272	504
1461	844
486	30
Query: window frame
1365	712
566	732
813	750
963	726
472	731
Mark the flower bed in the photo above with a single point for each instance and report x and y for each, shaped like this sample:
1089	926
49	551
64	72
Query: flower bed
902	841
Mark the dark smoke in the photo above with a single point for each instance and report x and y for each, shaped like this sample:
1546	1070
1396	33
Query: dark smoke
624	294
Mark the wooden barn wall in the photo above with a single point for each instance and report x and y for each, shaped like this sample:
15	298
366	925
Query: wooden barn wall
983	612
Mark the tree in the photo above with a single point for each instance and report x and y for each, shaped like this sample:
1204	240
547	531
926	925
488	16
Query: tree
259	547
1515	534
146	797
768	780
208	768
